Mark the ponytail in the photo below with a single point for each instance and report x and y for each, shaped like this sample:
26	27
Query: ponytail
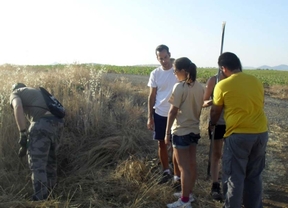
189	67
191	73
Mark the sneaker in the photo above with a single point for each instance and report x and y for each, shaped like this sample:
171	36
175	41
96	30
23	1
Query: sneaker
178	195
179	204
176	185
165	178
216	192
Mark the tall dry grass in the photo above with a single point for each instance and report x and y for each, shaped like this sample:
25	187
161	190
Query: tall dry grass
107	157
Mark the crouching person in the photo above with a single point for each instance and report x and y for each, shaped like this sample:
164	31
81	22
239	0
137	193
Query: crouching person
40	140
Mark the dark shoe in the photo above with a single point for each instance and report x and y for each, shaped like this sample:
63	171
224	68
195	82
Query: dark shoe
35	198
216	192
177	185
165	178
22	152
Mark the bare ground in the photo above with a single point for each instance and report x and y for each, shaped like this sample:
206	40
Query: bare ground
275	175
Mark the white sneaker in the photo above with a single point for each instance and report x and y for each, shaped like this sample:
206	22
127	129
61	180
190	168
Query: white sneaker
179	204
178	195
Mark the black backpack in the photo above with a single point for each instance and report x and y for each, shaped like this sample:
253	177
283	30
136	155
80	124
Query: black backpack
55	107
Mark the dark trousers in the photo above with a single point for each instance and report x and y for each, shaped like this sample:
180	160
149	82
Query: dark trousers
243	162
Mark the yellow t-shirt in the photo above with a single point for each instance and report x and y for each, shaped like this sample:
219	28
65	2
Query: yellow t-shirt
242	96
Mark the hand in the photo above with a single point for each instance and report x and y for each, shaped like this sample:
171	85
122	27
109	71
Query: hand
168	140
212	127
23	139
22	151
150	124
207	103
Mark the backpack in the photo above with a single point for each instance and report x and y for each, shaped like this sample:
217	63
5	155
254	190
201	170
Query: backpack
54	106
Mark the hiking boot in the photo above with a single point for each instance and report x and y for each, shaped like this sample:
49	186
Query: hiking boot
178	195
165	178
216	192
176	185
179	204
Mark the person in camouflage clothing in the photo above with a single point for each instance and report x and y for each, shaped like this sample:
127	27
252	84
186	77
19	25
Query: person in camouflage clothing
40	140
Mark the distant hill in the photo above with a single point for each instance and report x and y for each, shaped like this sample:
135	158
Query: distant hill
279	67
248	67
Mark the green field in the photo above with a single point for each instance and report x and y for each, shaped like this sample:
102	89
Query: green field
267	77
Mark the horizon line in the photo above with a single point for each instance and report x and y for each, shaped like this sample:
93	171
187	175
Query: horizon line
151	65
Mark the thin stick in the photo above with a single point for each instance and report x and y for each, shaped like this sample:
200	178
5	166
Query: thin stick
221	49
217	80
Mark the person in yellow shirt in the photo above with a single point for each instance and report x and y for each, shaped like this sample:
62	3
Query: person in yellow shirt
241	96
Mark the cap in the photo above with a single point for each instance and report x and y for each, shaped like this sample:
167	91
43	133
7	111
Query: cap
17	86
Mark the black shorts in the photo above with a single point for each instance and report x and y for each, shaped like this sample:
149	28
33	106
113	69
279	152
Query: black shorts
219	132
160	127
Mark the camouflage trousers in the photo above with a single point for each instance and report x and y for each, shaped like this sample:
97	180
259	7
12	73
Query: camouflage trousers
44	137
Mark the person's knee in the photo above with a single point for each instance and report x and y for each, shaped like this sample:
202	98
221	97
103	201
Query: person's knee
188	168
182	166
193	167
188	171
161	144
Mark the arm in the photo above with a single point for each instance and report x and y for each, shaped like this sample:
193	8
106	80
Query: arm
216	111
19	114
210	84
21	123
151	103
171	117
218	105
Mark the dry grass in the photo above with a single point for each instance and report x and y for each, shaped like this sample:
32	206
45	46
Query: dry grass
107	157
277	91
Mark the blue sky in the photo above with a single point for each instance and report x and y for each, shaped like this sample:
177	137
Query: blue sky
126	32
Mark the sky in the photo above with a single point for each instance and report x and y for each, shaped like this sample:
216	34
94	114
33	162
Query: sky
127	32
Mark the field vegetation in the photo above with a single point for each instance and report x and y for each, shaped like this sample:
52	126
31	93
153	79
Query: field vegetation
107	156
275	82
268	77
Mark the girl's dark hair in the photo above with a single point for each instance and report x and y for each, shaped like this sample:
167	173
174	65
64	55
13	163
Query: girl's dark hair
189	67
230	61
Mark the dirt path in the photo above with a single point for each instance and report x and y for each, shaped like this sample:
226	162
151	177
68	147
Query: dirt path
275	175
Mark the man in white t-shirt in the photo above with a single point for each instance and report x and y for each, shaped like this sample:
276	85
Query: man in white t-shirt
161	82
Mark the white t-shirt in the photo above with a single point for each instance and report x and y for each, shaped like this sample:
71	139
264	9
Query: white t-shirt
164	81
